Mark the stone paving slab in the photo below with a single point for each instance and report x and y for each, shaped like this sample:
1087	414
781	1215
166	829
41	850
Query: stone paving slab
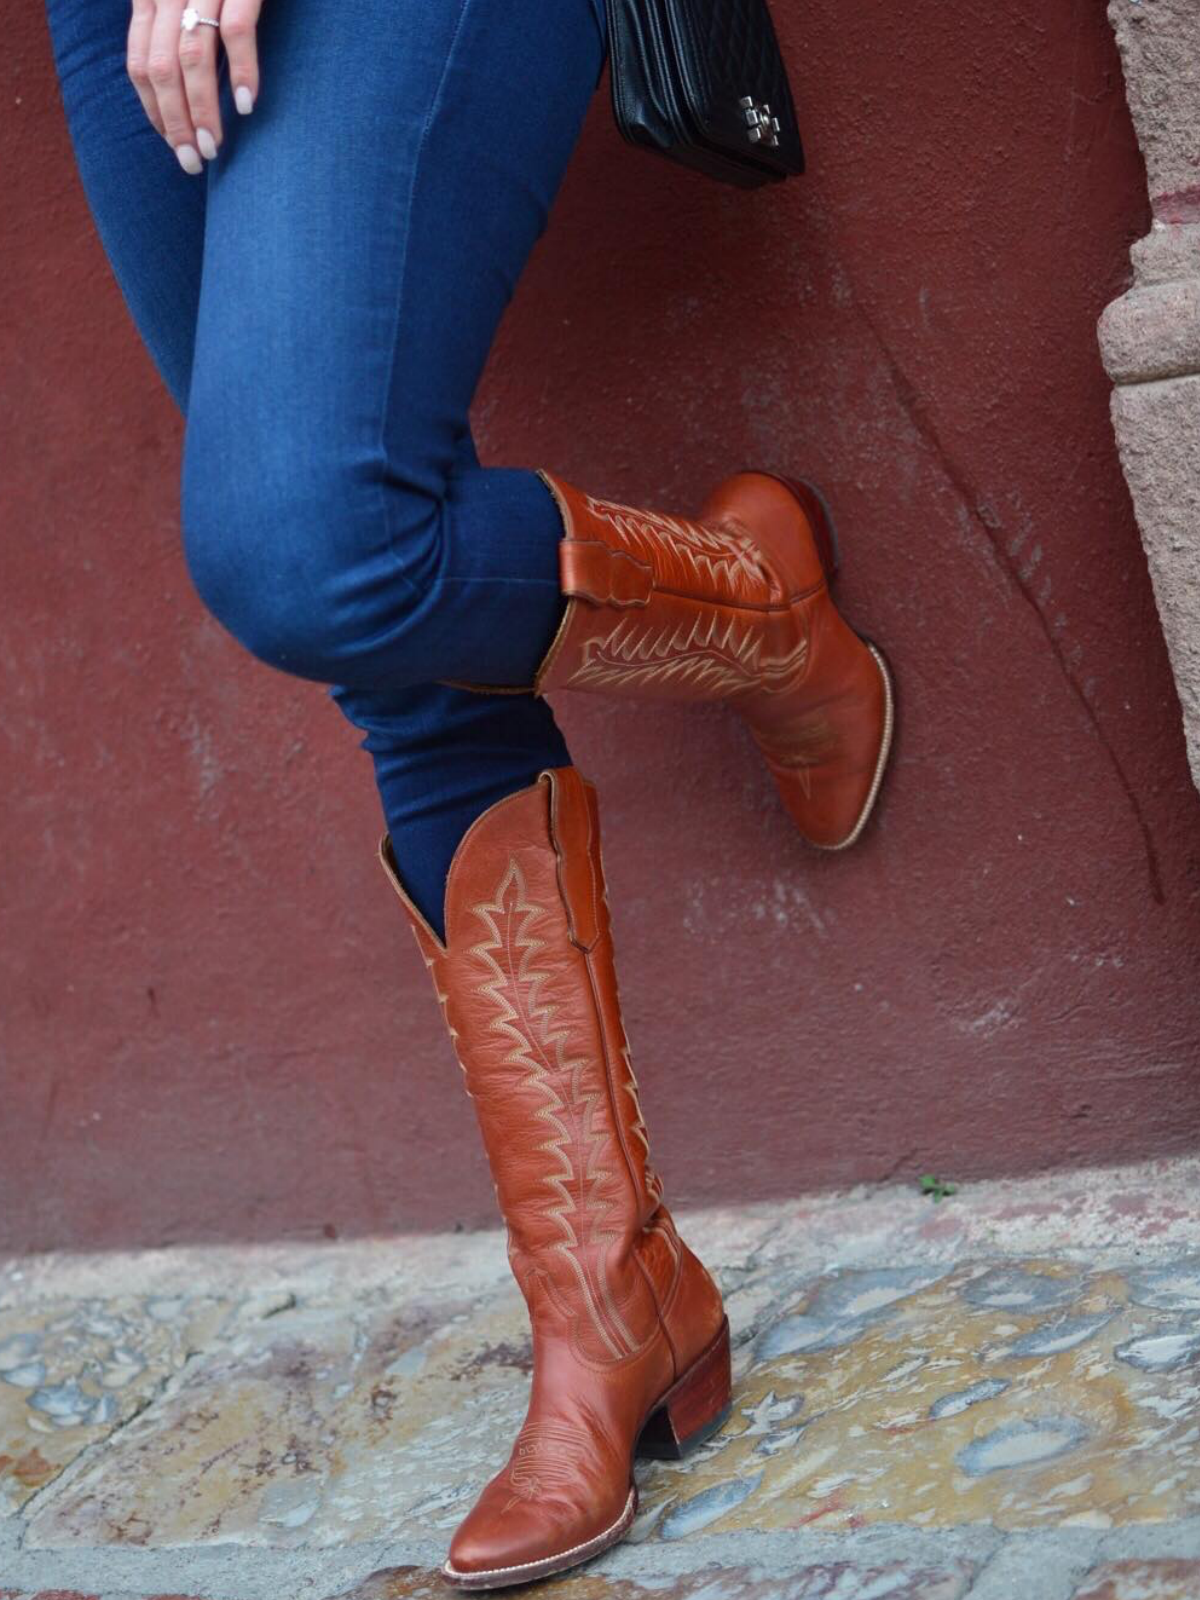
1142	1580
1019	1394
833	1580
324	1425
1096	1215
72	1372
994	1397
827	1580
46	1594
836	1580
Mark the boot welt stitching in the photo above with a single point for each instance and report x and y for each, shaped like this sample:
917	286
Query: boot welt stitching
561	1555
885	750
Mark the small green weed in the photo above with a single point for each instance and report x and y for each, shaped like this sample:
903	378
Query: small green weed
936	1188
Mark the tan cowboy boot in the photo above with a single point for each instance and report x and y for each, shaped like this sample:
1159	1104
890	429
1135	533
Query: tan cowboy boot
630	1341
736	607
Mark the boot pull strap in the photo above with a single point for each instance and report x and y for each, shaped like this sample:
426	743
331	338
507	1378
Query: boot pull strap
592	570
574	828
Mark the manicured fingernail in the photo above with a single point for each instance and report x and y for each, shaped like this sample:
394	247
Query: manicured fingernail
243	99
188	159
208	145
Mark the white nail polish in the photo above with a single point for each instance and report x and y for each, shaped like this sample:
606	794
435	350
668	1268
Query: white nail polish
208	145
189	160
243	99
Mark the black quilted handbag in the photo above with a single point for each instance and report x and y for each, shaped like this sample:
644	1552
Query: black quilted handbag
703	82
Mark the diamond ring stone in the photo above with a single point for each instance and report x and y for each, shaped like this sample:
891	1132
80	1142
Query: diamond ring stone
191	20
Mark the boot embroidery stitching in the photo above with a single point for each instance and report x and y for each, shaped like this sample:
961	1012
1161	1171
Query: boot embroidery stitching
541	1048
546	1456
653	1183
443	1000
717	656
629	1084
710	553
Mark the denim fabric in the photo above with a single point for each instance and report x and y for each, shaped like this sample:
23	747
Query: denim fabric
320	303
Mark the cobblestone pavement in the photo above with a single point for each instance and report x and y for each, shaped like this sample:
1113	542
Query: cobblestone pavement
990	1396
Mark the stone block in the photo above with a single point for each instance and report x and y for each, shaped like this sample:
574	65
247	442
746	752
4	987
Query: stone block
1153	332
323	1425
1150	336
833	1580
1160	49
1026	1394
1157	425
73	1372
1142	1580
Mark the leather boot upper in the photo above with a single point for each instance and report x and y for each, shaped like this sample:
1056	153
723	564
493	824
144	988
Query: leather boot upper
619	1307
733	606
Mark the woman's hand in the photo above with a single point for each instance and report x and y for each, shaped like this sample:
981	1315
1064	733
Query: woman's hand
172	60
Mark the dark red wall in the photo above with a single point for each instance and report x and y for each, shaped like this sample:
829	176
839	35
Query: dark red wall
214	1024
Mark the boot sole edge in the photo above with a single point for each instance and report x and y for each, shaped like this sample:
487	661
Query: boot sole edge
881	762
531	1571
825	534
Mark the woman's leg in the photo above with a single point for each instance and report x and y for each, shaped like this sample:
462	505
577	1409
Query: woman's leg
441	755
149	213
358	251
365	230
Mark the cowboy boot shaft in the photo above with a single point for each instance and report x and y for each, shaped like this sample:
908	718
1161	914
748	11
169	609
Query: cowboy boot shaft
625	1320
670	608
740	552
525	920
527	983
733	607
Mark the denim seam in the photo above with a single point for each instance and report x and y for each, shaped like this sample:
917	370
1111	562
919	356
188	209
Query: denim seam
389	382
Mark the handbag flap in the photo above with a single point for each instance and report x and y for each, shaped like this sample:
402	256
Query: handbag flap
732	79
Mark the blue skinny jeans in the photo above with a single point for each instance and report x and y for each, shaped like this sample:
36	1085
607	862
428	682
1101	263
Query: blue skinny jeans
320	303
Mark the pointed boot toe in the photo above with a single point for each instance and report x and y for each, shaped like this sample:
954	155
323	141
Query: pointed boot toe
502	1543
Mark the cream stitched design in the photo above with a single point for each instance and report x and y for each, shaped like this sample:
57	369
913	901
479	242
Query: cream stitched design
711	553
653	1183
546	1456
718	657
443	1000
541	1047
